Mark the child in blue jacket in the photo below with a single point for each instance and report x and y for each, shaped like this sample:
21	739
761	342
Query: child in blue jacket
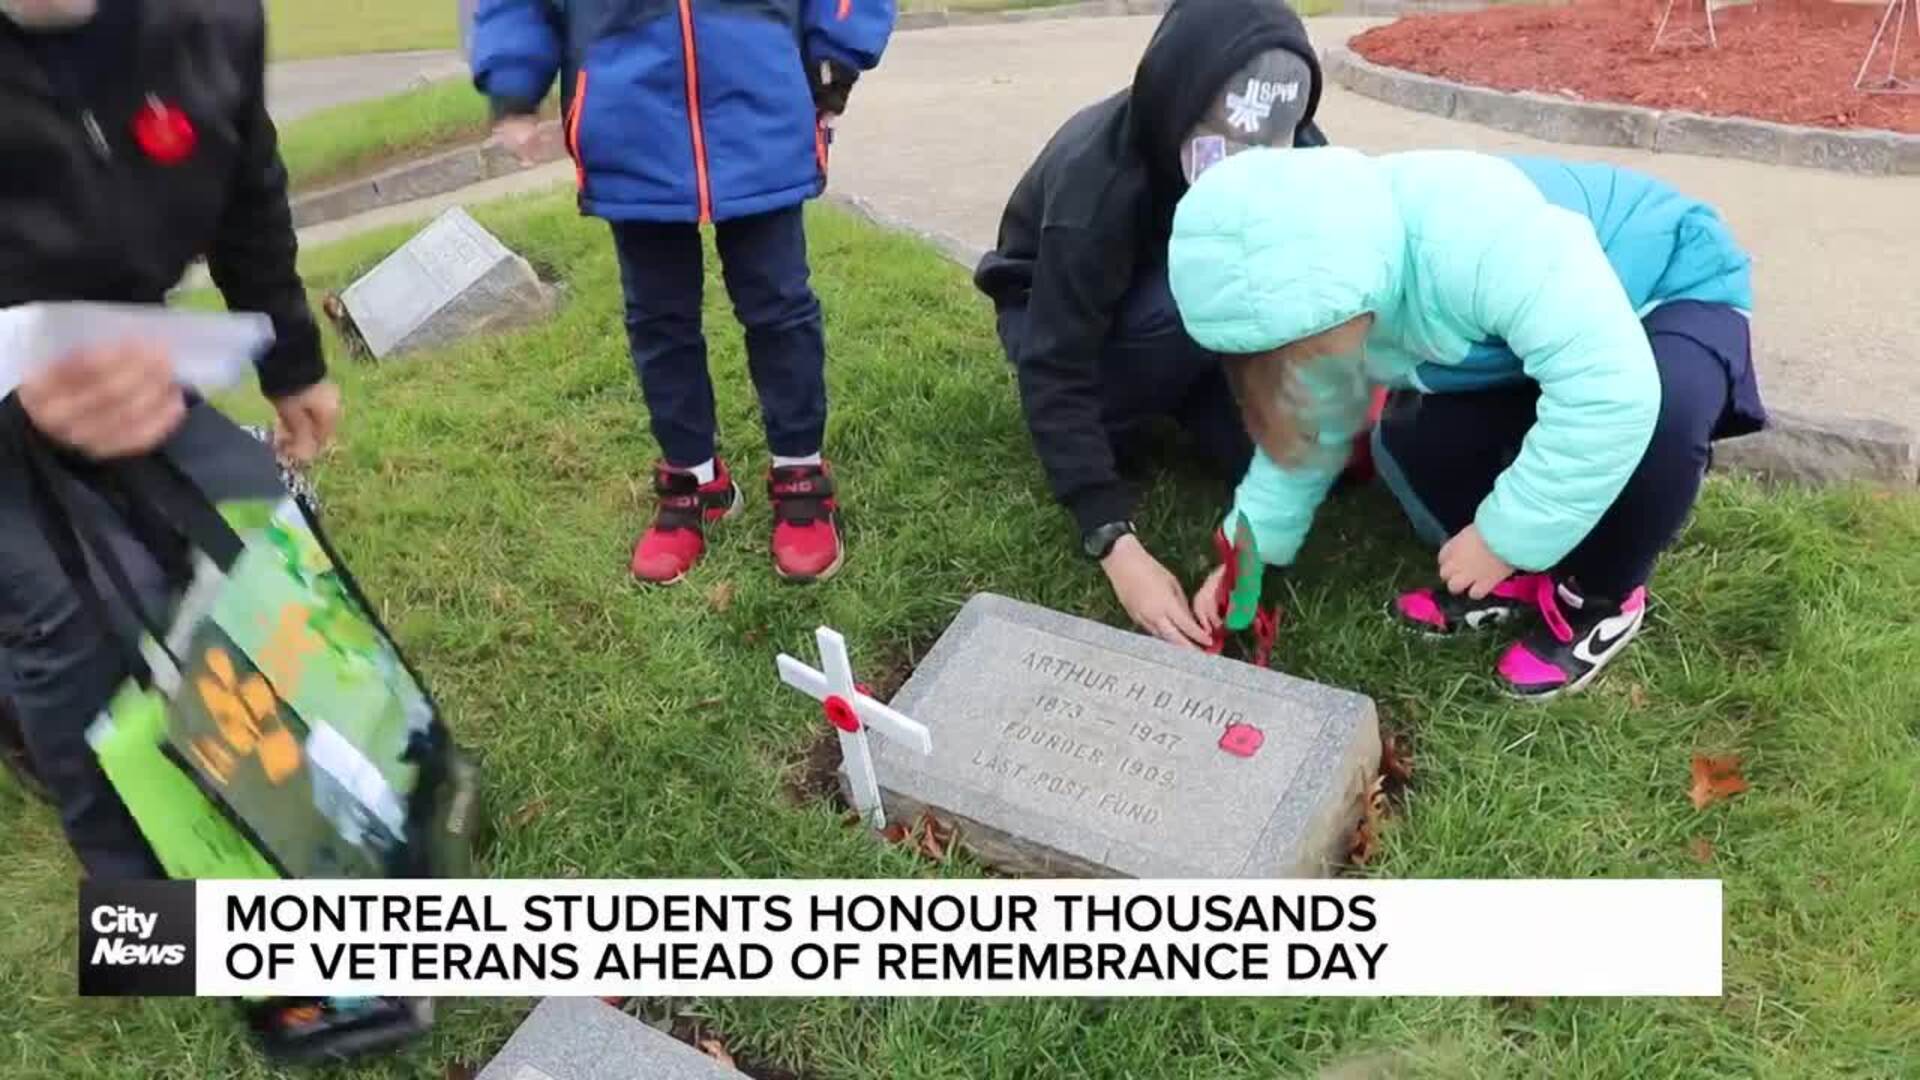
678	113
1564	341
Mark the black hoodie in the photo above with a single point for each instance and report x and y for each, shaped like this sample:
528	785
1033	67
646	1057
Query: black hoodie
1095	207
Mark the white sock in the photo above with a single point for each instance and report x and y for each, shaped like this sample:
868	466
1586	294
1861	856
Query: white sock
789	462
702	472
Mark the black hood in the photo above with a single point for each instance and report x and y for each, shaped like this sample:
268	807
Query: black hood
1199	45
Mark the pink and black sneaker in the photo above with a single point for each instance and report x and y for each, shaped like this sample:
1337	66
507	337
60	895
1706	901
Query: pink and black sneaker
1439	613
1578	635
678	536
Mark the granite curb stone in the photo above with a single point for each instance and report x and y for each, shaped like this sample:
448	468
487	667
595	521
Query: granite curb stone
1807	449
436	174
1592	123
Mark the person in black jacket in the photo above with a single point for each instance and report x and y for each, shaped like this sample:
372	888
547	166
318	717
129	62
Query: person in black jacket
135	140
1078	276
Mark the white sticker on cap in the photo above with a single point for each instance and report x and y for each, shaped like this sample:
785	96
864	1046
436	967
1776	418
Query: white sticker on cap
1249	109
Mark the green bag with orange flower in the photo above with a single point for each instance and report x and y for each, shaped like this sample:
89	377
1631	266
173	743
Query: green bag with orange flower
272	728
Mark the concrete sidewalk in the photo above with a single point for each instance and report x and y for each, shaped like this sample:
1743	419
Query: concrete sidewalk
938	136
298	87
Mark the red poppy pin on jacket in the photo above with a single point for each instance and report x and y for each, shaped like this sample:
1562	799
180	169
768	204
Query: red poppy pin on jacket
163	132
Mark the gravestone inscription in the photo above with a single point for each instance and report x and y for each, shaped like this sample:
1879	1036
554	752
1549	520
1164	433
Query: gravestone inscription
1064	747
452	280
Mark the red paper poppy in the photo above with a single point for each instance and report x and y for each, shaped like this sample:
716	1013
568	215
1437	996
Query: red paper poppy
840	713
164	133
1242	740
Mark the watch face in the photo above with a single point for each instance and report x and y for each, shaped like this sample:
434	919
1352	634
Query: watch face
1101	540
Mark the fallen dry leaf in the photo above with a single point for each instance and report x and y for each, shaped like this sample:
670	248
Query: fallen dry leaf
459	1070
1715	778
1396	758
934	837
717	1050
720	597
1702	849
895	833
1366	836
850	818
708	703
527	812
1637	696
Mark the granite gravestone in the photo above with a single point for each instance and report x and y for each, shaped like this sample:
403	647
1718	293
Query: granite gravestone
584	1038
1063	747
452	280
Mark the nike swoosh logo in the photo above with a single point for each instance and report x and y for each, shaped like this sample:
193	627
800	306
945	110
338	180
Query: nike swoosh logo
1608	637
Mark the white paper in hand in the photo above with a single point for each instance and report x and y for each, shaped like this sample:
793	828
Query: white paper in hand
211	351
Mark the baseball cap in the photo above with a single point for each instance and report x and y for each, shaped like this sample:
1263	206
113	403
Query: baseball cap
1262	104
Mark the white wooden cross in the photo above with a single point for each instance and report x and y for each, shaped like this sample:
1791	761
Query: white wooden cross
852	712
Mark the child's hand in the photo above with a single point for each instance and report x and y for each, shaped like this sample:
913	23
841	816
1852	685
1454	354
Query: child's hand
832	82
1469	566
106	401
518	134
307	422
1206	600
1153	597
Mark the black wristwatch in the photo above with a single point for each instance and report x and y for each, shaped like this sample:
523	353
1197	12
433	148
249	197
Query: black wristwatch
1098	542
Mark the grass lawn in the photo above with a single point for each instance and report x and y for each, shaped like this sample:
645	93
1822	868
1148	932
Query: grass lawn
337	143
298	29
488	496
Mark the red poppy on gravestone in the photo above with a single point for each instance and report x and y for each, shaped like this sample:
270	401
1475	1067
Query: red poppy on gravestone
164	133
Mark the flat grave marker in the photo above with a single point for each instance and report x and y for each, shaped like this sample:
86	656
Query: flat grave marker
584	1038
1064	747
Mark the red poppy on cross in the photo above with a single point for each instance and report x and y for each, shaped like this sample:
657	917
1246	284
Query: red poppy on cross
853	713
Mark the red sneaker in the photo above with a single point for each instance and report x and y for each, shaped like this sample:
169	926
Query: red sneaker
677	537
806	523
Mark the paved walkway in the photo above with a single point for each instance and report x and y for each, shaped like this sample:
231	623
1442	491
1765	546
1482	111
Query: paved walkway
940	134
298	87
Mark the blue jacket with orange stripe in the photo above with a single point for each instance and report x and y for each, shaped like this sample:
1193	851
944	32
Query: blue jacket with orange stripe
680	110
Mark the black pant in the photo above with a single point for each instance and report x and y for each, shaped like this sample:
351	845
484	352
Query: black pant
59	666
1150	368
763	260
1442	452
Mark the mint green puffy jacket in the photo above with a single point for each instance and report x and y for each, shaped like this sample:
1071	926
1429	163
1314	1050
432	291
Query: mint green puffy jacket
1474	277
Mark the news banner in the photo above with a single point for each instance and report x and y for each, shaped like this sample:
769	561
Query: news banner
777	938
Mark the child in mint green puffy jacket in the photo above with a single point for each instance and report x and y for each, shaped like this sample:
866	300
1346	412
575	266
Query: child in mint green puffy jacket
1564	340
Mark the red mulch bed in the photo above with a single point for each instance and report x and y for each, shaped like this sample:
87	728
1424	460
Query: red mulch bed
1788	60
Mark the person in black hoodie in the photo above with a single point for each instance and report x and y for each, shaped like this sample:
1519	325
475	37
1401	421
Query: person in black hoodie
1078	276
135	140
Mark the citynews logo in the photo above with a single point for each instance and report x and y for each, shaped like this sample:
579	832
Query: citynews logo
136	938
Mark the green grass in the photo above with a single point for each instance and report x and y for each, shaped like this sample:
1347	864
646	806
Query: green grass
299	29
488	495
339	142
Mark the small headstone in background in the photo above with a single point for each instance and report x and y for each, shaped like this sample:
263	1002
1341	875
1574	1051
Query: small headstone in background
1064	747
451	281
584	1038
